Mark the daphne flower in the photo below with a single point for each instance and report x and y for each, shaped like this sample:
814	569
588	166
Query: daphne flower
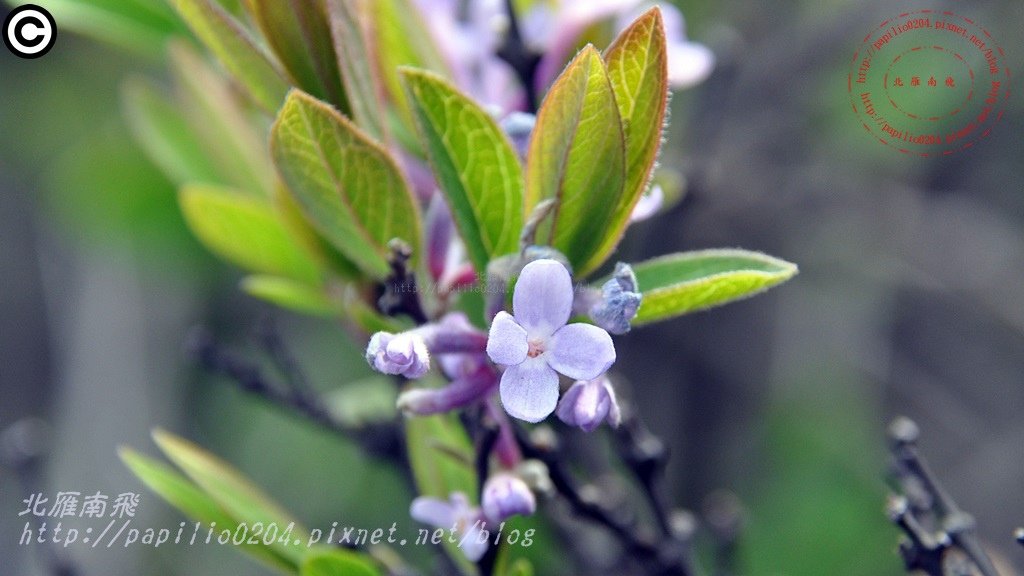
537	344
587	404
465	521
504	496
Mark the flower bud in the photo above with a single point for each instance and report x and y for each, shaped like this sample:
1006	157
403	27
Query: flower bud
619	302
403	353
506	495
588	403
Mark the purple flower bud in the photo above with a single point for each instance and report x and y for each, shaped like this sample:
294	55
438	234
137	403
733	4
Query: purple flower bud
648	204
619	302
404	353
463	391
588	403
506	495
519	127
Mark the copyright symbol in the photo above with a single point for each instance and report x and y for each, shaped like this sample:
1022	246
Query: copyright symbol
29	31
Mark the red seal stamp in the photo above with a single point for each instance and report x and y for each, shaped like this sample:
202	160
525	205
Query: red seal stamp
929	83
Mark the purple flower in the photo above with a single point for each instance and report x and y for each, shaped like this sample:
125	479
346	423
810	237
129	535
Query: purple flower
648	205
506	495
456	515
536	344
404	353
587	404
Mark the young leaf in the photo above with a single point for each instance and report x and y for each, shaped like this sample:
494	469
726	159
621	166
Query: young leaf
160	127
690	281
179	492
245	231
336	562
638	69
355	61
216	115
242	500
288	293
475	164
299	34
347	185
319	248
236	49
577	157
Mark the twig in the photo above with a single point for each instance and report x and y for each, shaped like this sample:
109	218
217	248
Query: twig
399	294
23	449
665	560
921	550
380	440
522	60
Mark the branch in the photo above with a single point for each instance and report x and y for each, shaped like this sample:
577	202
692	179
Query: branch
587	503
522	60
296	399
921	549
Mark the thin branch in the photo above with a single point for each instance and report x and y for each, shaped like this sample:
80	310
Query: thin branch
921	550
519	56
665	560
378	439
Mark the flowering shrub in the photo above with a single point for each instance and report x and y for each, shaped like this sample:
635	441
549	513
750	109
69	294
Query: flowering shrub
423	173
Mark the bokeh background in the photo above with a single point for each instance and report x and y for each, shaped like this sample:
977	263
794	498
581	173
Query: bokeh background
909	301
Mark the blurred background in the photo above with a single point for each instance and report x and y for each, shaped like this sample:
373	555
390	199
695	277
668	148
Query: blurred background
909	301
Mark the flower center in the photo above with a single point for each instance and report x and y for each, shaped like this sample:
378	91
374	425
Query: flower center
536	348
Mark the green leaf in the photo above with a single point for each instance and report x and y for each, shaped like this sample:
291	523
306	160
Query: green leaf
160	127
236	49
638	69
402	39
299	34
246	231
347	185
577	157
336	562
355	60
325	254
141	26
288	293
475	164
441	456
225	129
690	281
181	493
238	496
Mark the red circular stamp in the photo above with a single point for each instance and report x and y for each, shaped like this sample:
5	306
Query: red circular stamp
929	83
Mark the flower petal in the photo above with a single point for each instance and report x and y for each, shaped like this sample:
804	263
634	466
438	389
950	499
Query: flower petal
473	543
542	299
432	511
580	351
529	390
689	63
507	342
